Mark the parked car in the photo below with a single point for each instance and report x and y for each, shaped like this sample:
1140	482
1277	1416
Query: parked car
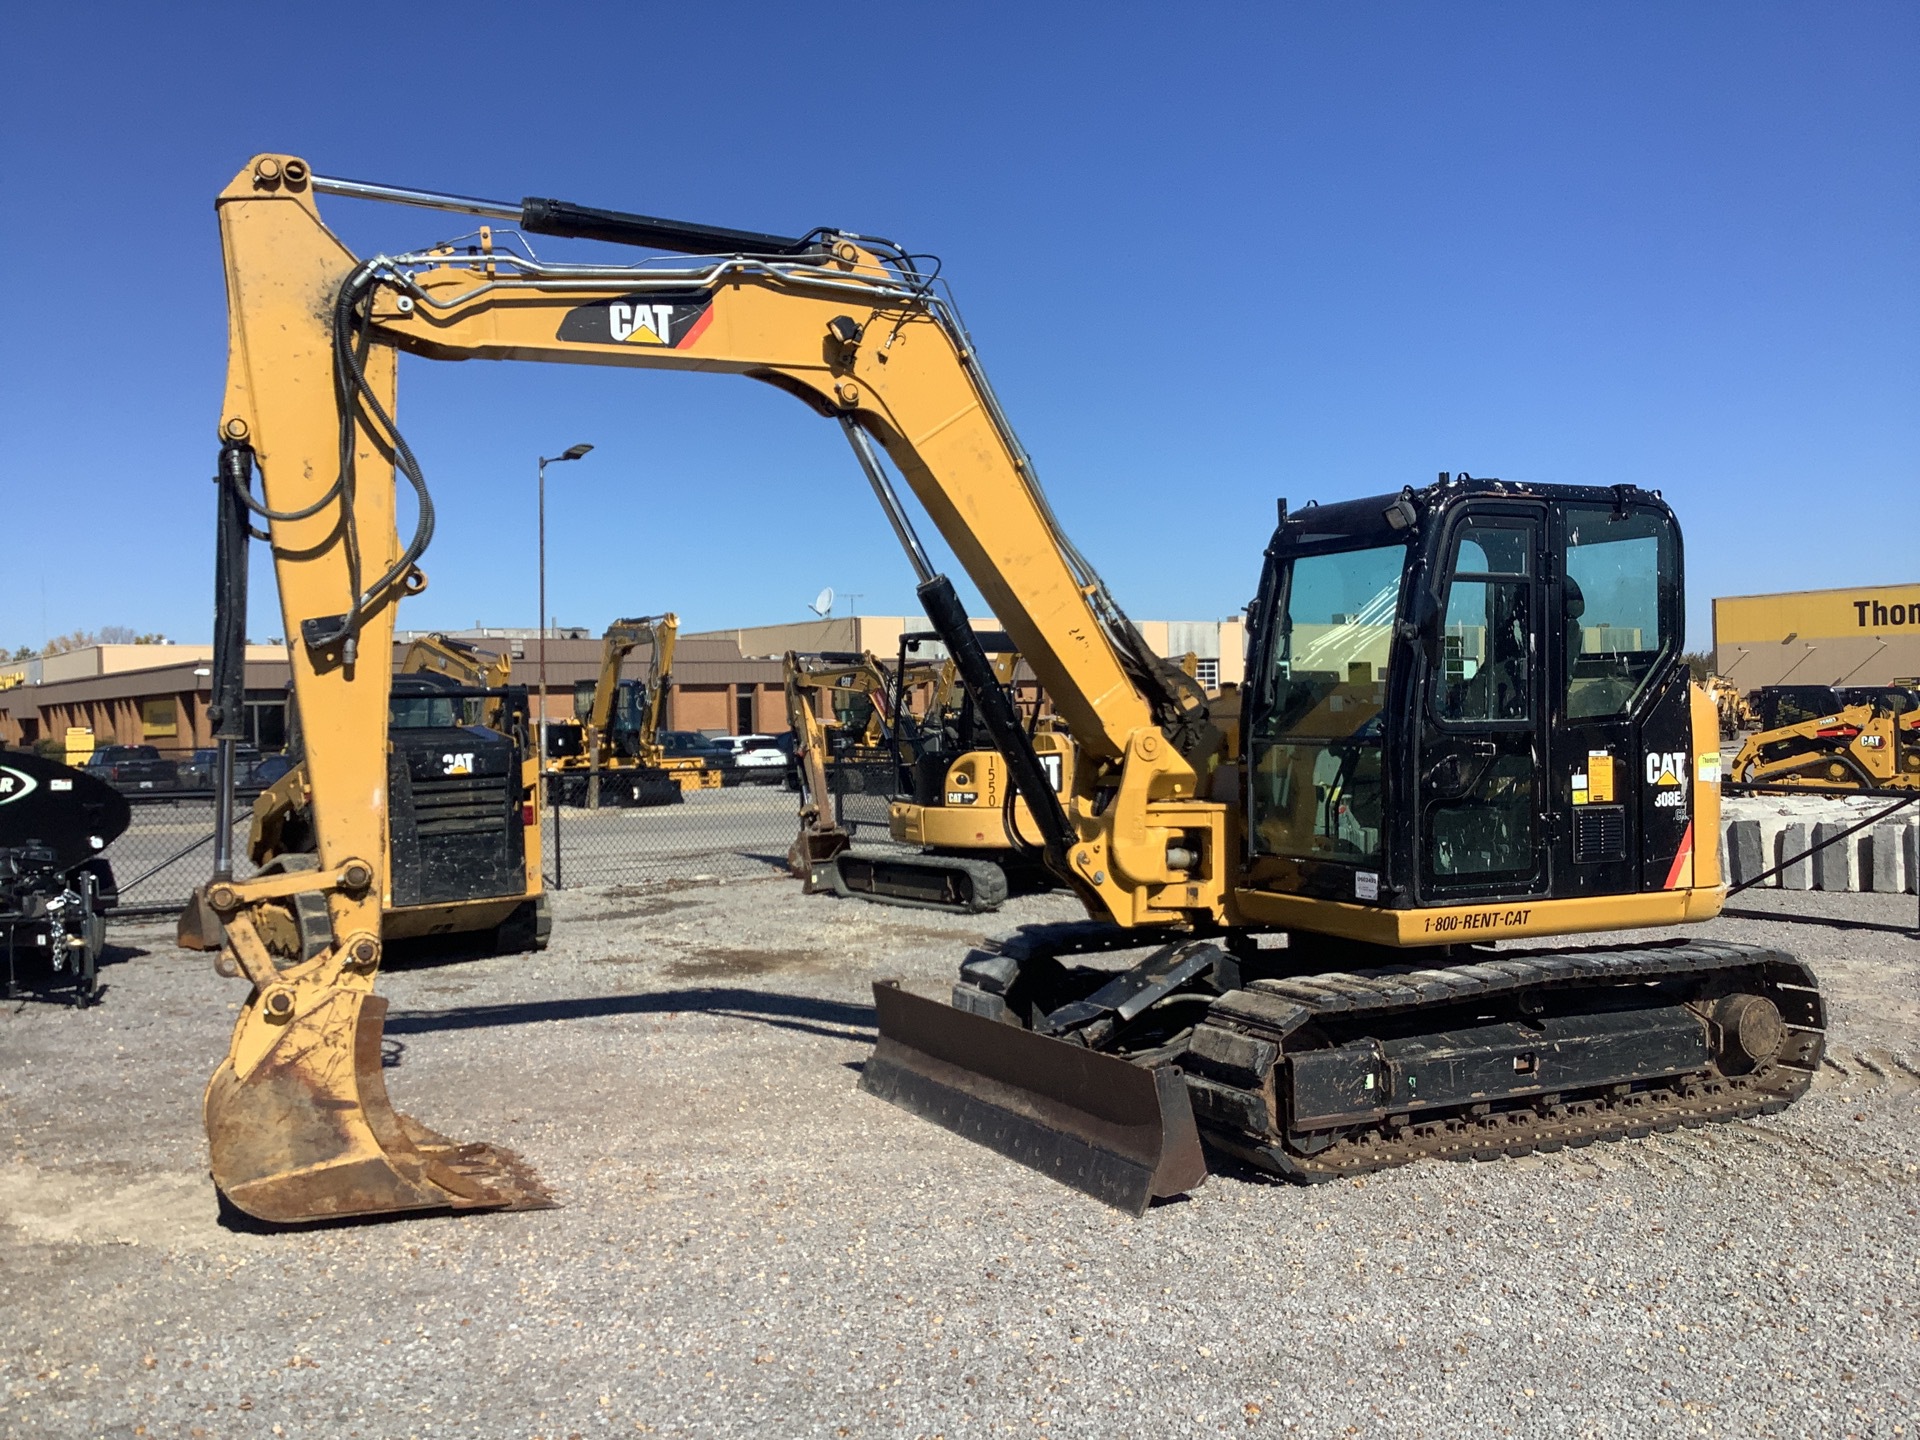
271	768
690	744
133	768
754	759
198	769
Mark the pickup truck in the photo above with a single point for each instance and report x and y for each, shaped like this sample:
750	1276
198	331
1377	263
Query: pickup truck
196	771
133	768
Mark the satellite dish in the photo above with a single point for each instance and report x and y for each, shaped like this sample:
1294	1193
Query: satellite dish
823	603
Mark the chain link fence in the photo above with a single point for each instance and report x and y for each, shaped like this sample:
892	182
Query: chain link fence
739	829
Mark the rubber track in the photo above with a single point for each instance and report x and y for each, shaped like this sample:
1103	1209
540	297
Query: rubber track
1272	1010
989	882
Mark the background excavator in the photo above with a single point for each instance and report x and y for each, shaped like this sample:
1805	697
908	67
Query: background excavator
878	743
959	809
464	855
1467	720
468	666
617	757
858	742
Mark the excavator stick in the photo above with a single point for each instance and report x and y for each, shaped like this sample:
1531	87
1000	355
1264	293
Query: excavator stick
1112	1129
306	1133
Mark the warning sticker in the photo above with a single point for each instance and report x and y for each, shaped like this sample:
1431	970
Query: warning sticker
1600	777
1708	768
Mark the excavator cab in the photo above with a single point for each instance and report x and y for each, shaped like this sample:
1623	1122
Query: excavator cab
1474	694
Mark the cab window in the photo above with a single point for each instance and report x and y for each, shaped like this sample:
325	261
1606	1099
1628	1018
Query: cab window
1620	601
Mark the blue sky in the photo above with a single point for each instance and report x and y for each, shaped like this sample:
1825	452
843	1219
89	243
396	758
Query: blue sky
1212	254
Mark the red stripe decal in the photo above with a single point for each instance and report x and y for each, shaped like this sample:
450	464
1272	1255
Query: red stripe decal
699	328
1686	853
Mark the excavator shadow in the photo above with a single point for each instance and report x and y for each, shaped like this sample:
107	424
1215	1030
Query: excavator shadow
806	1014
1831	922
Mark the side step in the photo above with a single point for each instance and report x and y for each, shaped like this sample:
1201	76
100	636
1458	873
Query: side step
923	882
1112	1129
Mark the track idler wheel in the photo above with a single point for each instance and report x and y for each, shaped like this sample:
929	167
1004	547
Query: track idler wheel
1751	1032
301	1129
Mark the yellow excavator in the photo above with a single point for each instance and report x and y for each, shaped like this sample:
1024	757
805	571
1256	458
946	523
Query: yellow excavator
1734	711
975	837
1467	721
877	744
617	757
467	665
859	691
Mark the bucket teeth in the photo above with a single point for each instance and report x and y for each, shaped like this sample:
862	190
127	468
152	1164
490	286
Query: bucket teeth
307	1132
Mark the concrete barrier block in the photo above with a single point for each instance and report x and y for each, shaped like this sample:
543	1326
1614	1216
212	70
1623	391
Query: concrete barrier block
1887	844
1745	850
1799	874
1913	857
1835	863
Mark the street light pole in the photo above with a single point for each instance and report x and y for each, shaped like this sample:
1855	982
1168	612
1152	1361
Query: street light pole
572	452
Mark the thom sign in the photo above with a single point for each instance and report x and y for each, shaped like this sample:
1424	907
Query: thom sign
1875	616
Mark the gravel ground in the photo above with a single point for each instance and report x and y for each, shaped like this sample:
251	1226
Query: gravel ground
748	1246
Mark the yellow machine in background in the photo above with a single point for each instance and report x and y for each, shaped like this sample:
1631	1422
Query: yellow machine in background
1732	707
872	735
961	802
1860	747
465	853
465	664
1466	720
621	760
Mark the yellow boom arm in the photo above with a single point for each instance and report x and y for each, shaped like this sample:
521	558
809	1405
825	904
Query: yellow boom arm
621	639
851	335
849	327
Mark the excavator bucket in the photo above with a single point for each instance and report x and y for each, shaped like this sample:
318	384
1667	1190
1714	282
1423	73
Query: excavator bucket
305	1132
1120	1132
811	856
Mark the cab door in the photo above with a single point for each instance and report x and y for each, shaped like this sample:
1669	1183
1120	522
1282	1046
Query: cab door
1482	726
1621	761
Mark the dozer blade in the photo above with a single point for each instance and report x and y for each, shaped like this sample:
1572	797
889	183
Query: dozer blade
1119	1132
308	1133
921	882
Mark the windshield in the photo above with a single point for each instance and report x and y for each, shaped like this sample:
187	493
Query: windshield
421	712
1315	741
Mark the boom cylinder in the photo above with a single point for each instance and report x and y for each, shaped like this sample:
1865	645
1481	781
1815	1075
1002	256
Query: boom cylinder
227	710
996	711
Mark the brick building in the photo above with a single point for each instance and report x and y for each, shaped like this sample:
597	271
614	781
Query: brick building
726	682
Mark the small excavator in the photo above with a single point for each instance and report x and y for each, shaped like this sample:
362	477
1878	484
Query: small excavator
858	736
1466	721
877	743
976	837
1734	711
467	665
618	758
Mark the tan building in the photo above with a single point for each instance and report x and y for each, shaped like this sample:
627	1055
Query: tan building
1863	636
727	682
1219	646
135	695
